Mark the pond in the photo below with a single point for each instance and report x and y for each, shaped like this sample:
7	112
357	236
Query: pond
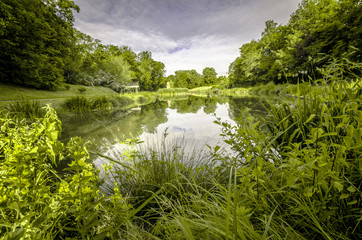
190	119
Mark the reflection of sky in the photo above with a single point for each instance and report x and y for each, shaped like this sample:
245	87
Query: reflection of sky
198	128
194	129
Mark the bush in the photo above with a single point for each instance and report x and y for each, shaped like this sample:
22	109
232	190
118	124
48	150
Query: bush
101	103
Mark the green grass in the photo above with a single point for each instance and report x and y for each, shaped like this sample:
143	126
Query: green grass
13	92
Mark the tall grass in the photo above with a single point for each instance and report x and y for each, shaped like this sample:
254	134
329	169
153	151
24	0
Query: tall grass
25	109
81	104
168	168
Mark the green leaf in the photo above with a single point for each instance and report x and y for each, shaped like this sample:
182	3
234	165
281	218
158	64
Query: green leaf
351	189
352	202
310	118
338	185
344	195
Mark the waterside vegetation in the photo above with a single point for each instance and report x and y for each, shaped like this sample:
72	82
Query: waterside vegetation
296	174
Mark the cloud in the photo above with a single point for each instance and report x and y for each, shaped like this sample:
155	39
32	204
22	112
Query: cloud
137	40
203	52
183	34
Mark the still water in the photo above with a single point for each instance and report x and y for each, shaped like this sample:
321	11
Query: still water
190	119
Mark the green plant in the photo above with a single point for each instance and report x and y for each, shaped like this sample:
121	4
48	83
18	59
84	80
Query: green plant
167	168
302	176
67	86
78	104
41	200
82	90
25	109
102	103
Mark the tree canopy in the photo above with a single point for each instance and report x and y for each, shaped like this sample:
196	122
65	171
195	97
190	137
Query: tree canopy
39	47
319	34
36	37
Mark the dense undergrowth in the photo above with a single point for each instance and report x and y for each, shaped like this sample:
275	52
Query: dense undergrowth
295	175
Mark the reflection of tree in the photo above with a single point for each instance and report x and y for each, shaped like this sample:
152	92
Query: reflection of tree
126	124
191	105
210	105
237	105
153	115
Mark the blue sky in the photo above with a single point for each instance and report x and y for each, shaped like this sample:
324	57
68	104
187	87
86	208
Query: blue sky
183	34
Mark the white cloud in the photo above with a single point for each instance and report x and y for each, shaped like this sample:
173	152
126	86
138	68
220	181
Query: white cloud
204	52
138	41
185	34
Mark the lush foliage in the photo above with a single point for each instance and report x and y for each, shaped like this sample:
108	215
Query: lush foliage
25	109
40	48
296	174
192	79
36	38
116	67
314	41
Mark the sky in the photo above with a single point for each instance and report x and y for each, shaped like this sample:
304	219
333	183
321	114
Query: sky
183	34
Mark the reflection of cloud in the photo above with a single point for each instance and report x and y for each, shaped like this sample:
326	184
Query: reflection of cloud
178	129
185	34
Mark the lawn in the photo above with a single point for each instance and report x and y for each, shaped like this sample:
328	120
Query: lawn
9	92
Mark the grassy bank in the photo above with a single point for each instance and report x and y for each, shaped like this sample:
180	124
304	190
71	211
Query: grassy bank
56	98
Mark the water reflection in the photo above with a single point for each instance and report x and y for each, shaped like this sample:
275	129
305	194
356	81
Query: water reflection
191	119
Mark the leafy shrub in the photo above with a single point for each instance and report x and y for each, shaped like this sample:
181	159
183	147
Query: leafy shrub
40	201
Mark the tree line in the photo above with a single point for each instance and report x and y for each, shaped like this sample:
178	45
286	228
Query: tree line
192	79
40	48
321	38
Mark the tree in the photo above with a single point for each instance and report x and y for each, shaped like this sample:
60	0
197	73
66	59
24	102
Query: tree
319	33
36	38
187	79
209	76
151	72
